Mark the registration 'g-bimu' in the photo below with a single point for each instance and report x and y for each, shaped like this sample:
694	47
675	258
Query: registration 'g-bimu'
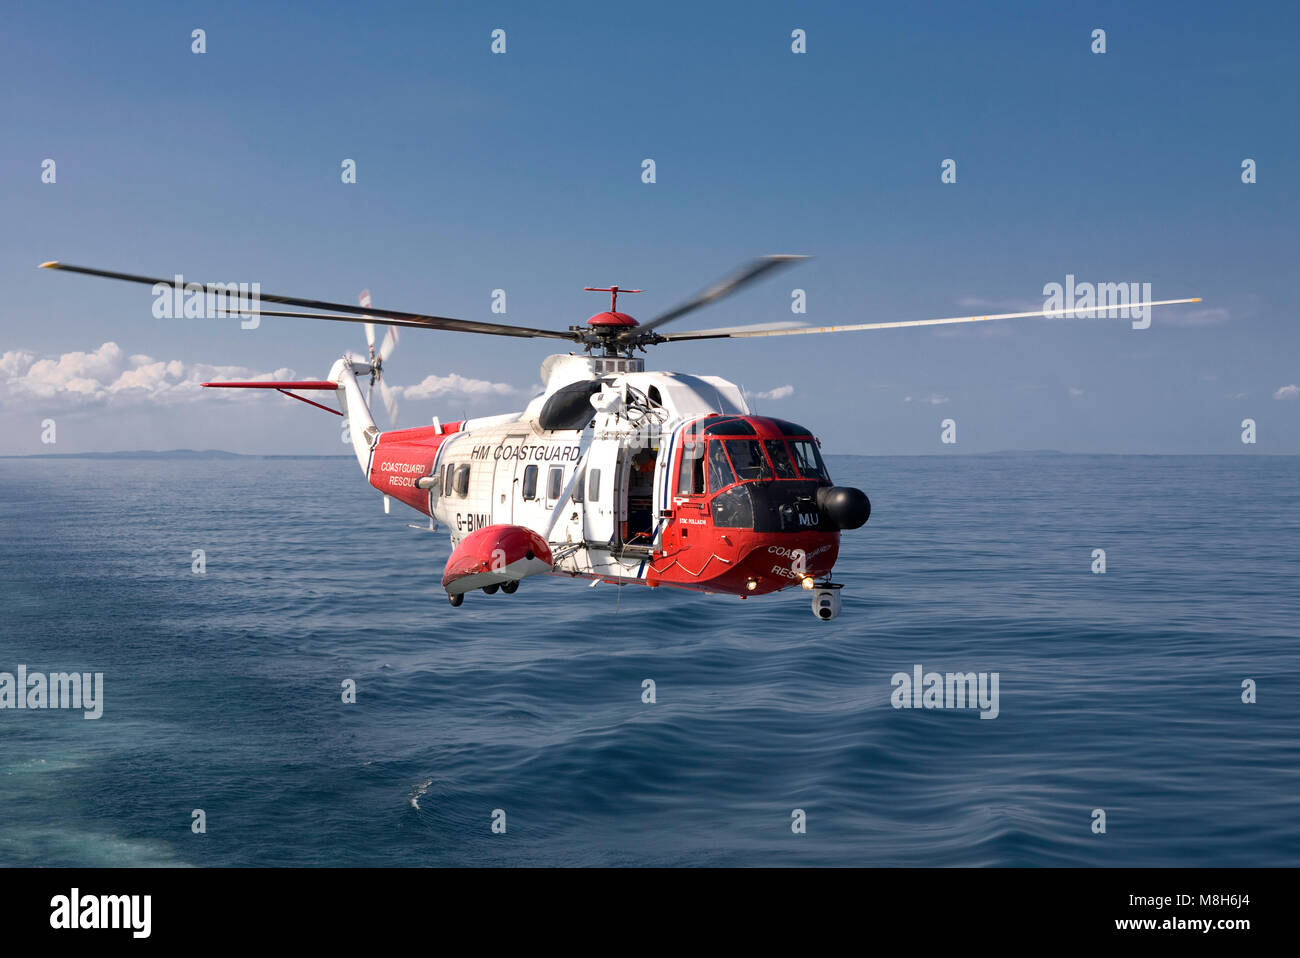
614	473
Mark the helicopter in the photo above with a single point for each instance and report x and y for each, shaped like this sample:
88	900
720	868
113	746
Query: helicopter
614	473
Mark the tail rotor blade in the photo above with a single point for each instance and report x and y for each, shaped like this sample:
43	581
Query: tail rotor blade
364	301
389	344
390	401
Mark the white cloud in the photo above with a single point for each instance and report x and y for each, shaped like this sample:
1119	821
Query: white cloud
1075	391
108	375
780	392
1288	392
934	399
455	385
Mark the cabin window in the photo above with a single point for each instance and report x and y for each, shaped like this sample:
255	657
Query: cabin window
720	473
747	456
593	486
555	482
654	396
781	460
530	482
578	485
690	478
462	480
446	479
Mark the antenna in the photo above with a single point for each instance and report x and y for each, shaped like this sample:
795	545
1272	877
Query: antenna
613	294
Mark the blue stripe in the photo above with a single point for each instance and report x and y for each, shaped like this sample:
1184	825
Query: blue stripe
654	539
668	468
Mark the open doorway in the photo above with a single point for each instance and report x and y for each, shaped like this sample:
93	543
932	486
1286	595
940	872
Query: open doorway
639	529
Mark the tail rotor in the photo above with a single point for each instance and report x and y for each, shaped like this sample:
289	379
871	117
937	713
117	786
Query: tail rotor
377	359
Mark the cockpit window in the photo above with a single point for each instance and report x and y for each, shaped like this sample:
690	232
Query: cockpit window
747	456
720	473
791	429
690	479
734	508
781	460
808	459
730	427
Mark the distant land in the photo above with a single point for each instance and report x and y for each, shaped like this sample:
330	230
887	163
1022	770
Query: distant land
222	454
170	454
1028	452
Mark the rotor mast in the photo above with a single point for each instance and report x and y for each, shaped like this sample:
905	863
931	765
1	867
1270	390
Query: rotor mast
609	330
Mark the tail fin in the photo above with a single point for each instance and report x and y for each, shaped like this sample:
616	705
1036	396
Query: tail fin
360	426
362	430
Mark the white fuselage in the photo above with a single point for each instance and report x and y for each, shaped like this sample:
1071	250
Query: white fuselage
592	490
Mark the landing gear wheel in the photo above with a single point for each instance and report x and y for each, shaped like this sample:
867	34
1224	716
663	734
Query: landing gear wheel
491	589
456	599
511	587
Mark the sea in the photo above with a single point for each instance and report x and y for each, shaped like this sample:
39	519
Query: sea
1147	714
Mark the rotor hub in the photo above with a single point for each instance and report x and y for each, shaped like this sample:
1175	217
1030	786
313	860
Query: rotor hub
610	318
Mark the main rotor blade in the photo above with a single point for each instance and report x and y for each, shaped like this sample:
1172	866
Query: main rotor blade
742	333
409	324
742	277
725	332
357	314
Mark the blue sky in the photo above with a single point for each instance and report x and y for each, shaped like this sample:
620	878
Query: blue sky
522	172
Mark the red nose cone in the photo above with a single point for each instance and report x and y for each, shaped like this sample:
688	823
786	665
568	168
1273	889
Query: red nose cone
611	319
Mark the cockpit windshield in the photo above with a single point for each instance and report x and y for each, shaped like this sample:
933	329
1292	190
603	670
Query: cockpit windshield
809	459
720	474
781	459
748	459
729	449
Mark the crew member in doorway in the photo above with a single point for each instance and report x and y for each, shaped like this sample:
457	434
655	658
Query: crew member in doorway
640	496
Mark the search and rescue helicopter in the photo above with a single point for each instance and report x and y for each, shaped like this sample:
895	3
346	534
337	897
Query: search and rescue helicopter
614	473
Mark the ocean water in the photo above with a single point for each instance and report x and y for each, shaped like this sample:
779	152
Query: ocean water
222	691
